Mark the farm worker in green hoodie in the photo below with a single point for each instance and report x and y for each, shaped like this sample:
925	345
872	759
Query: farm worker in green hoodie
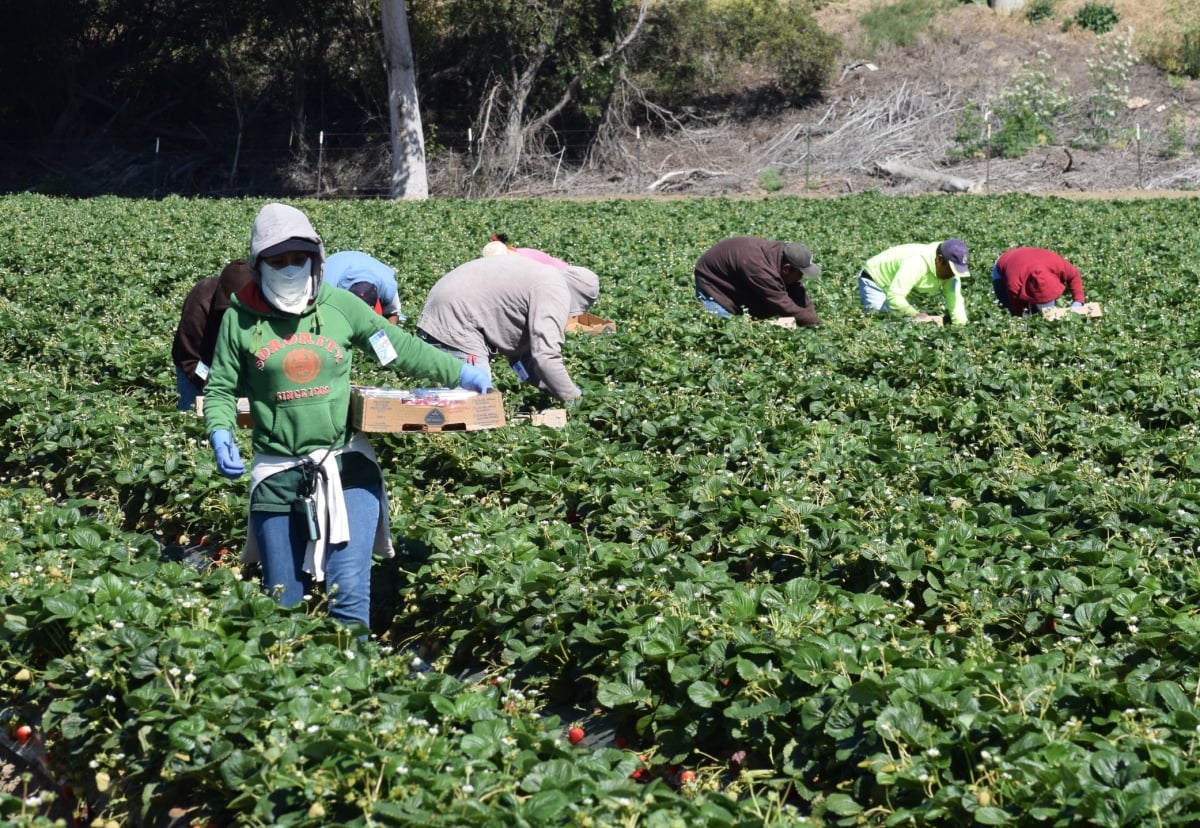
317	509
889	278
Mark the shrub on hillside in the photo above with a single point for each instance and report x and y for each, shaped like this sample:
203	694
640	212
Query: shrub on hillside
1039	10
902	23
1177	56
1097	17
700	48
1177	49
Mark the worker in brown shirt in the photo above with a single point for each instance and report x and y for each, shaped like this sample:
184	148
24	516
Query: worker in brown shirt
759	277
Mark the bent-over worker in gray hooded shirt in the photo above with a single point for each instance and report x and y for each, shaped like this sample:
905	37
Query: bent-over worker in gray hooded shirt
513	306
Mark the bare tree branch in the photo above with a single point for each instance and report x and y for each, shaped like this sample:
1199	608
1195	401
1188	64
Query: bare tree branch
569	93
686	175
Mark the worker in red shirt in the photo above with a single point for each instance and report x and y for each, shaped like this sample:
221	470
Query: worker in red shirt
1030	279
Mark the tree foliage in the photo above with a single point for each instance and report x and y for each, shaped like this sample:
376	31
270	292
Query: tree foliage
223	83
697	49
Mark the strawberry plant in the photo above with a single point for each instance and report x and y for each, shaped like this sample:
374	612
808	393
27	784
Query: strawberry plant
867	574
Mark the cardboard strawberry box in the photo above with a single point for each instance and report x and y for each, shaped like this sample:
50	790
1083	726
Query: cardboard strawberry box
548	417
430	409
1092	310
590	323
243	411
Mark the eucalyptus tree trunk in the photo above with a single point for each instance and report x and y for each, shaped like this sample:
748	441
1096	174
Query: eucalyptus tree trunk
1007	6
410	180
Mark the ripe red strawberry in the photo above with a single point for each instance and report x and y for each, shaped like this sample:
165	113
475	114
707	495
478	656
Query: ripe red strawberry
575	735
687	777
24	732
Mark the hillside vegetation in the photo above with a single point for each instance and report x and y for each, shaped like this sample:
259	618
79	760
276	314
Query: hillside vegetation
793	96
1002	101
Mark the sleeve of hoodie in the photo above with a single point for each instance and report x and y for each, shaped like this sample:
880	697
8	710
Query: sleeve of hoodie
220	395
1072	279
414	357
187	349
549	306
806	315
1017	279
911	271
956	306
773	296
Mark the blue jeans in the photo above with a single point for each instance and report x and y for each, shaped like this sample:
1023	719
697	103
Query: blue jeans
1000	288
283	537
711	305
871	295
187	391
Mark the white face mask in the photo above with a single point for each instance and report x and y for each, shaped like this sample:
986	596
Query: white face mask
287	288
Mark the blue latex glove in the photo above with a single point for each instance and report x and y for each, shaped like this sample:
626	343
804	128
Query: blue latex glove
474	379
1077	304
229	459
571	402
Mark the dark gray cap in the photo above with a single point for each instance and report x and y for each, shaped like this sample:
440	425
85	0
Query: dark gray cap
291	245
801	258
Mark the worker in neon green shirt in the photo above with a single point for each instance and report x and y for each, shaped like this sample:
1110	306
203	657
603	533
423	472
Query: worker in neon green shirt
890	277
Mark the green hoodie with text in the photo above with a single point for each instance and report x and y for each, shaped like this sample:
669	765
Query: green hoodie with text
295	369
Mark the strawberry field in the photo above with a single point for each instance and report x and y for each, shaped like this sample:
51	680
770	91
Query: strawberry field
869	574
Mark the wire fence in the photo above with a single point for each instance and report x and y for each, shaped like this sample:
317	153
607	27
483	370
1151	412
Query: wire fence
357	165
325	165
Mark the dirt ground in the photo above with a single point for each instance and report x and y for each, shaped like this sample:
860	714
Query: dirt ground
893	105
